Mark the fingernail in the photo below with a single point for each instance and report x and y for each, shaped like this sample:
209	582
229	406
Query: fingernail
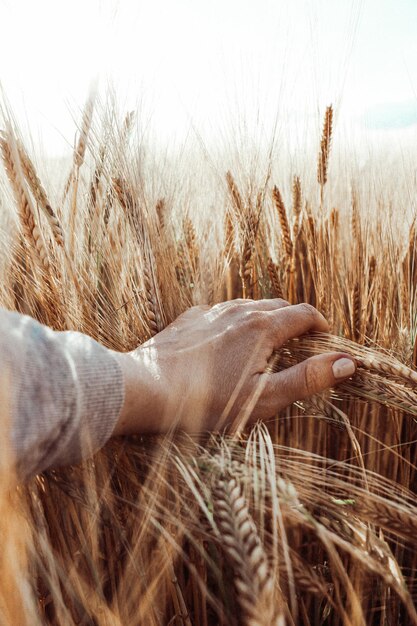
342	368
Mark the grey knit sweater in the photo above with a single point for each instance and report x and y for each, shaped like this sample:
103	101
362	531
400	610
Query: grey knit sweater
60	394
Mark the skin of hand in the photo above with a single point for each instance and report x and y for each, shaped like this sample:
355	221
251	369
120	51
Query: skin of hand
206	370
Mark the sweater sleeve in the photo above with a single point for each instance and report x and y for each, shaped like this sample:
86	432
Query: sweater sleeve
65	392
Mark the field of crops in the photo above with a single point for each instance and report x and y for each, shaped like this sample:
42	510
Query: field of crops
308	518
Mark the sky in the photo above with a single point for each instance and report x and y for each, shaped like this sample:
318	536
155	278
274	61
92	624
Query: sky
206	67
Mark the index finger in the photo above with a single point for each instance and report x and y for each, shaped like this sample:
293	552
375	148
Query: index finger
294	321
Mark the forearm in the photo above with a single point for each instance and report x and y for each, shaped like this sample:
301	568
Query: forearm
65	393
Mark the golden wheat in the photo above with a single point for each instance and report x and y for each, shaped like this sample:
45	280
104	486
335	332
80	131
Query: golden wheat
313	514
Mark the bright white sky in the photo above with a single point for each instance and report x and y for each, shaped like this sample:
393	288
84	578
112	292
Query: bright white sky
213	64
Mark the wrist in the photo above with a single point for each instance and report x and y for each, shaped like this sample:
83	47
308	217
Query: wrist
140	406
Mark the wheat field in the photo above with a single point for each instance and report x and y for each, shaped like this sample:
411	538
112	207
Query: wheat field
309	518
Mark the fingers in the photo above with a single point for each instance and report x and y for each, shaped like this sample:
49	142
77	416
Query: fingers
294	321
271	304
275	320
245	304
305	379
240	308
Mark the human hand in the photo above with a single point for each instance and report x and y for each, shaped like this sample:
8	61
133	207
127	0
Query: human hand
206	370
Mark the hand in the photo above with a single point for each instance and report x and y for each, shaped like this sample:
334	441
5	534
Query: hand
206	370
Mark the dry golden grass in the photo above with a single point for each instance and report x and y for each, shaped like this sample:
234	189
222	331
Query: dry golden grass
308	519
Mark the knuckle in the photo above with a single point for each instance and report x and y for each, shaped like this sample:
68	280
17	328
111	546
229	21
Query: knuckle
235	304
222	308
256	320
239	301
279	336
200	307
194	312
310	379
189	312
282	303
308	310
231	309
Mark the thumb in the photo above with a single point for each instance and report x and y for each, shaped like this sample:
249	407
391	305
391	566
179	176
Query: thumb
307	378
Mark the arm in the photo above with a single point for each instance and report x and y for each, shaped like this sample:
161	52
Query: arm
206	370
61	393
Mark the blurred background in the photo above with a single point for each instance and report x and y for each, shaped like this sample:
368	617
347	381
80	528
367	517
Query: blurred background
211	70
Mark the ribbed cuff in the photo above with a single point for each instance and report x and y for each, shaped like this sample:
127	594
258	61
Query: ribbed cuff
100	394
66	394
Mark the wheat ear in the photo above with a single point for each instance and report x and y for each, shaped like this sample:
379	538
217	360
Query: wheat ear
307	578
79	153
396	369
151	306
386	392
296	205
283	220
39	194
246	269
326	138
235	194
123	193
160	209
78	160
243	548
191	241
25	209
274	278
392	518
